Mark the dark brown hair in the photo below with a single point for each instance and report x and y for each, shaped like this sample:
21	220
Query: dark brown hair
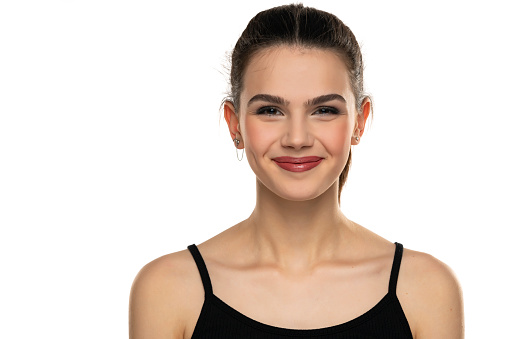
296	25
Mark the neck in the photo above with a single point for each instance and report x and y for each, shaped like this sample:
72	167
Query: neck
297	234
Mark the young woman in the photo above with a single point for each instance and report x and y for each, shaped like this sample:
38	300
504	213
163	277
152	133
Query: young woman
296	267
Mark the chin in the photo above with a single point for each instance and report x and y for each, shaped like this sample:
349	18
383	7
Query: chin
298	193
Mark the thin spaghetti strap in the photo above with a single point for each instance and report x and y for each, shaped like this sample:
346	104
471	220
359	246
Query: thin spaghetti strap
398	254
204	274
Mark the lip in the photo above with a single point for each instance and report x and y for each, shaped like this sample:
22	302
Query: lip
298	164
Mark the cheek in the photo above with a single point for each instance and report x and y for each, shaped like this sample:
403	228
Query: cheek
336	139
257	137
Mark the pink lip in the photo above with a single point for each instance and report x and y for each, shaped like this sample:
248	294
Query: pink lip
297	164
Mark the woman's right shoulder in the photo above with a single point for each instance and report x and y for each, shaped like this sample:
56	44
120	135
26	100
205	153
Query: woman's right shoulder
169	270
166	298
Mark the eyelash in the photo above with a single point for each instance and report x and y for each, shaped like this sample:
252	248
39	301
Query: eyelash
266	109
273	110
331	110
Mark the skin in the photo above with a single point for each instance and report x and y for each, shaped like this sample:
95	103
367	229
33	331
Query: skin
297	258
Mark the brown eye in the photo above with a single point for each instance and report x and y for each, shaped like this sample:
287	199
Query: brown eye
268	111
326	111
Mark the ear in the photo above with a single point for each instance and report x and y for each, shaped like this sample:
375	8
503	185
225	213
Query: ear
233	122
361	119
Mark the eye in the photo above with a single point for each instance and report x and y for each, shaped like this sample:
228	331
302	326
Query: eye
326	111
270	111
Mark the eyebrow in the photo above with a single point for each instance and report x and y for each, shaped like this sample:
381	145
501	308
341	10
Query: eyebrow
268	98
324	98
281	101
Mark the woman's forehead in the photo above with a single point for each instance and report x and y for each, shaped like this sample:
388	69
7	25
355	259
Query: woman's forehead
290	71
277	55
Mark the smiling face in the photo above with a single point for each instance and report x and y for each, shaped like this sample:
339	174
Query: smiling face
297	103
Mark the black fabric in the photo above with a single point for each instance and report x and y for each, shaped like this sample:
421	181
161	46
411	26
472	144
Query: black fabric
386	320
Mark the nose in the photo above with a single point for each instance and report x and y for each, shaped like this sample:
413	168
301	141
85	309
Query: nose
297	134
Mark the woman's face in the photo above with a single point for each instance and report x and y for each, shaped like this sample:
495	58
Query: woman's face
297	102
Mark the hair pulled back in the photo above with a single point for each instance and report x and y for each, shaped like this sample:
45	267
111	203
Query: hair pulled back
296	25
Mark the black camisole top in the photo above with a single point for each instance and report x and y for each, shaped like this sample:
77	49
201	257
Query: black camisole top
386	320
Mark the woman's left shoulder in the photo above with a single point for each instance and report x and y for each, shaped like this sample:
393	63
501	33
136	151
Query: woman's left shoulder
430	295
422	266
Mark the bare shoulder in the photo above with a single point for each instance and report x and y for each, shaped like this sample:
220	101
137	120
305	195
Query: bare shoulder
431	297
166	298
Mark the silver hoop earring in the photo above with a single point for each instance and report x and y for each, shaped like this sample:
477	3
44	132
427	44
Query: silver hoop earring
237	142
242	156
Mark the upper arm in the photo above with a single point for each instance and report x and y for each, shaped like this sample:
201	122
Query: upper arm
154	302
433	298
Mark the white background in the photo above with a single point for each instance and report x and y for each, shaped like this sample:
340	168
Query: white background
112	154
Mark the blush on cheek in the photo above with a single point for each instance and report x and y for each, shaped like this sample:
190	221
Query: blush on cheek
337	142
259	138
